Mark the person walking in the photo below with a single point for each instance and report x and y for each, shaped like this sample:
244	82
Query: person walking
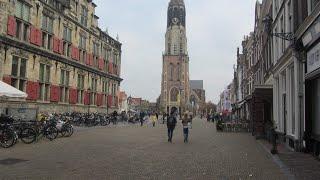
153	119
185	124
142	115
171	124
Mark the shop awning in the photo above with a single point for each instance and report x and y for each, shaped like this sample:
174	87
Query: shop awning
7	91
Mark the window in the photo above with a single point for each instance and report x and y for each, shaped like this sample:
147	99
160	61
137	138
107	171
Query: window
83	42
312	4
82	48
67	41
47	23
67	33
22	13
18	72
105	57
105	90
44	79
94	83
95	53
84	16
80	88
64	85
47	31
174	49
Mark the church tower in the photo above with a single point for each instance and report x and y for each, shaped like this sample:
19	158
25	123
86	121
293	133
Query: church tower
175	87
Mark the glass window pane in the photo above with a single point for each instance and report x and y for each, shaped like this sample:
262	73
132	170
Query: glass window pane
41	73
62	77
26	13
48	74
65	33
23	68
14	69
50	28
67	79
69	35
18	9
44	22
21	85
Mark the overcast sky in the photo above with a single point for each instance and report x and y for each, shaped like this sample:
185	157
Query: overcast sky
215	28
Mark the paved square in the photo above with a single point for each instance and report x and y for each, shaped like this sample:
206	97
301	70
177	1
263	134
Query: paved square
133	152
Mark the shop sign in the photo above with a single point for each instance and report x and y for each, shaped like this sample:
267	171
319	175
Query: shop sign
313	59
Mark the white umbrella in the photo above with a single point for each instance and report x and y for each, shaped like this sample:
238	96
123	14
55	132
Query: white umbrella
7	91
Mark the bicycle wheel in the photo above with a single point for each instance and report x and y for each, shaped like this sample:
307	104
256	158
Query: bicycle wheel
51	133
68	131
28	135
7	138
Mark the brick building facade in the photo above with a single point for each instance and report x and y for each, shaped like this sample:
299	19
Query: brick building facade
55	52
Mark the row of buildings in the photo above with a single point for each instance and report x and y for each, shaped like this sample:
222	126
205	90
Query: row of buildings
277	78
55	51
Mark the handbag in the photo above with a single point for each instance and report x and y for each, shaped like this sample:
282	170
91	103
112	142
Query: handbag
189	125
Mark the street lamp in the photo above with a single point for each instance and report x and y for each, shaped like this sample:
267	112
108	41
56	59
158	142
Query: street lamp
268	24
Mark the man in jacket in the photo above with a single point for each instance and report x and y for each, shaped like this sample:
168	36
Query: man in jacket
171	124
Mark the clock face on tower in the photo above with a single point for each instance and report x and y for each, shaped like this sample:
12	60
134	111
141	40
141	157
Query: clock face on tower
175	20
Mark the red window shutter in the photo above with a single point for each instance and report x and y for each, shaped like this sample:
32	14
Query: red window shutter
110	101
110	68
33	35
39	37
91	60
99	100
56	44
88	59
54	93
32	90
61	46
86	98
73	96
100	63
78	54
11	26
74	53
7	79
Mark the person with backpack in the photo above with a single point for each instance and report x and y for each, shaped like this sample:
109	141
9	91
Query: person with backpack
171	124
142	115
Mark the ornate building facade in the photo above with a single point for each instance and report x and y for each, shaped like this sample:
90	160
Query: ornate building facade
175	87
55	52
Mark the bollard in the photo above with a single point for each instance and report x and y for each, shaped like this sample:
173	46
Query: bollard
274	149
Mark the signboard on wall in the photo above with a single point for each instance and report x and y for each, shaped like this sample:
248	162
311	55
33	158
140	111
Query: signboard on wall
313	59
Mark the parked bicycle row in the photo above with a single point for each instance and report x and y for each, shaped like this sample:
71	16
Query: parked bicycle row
14	130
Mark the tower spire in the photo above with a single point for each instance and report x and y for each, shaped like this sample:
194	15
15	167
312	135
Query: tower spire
176	2
176	13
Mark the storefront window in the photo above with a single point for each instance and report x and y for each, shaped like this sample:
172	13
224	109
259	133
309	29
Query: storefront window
316	107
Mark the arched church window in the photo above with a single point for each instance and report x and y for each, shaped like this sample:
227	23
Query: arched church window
174	94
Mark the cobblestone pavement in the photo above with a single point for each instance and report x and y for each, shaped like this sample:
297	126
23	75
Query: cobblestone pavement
133	152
